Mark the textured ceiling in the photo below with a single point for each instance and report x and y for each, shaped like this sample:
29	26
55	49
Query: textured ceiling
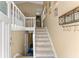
36	2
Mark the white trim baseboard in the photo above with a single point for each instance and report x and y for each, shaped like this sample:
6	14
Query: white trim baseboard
53	48
16	55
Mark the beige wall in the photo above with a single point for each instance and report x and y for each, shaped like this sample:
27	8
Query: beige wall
17	42
66	42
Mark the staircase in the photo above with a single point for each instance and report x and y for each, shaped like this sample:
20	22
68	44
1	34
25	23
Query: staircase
42	43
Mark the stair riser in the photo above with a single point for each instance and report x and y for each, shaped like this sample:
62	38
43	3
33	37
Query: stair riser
41	41
43	46
44	52
41	35
38	40
44	56
41	31
43	49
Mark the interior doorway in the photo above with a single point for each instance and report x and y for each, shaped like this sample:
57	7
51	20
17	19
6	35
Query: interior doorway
30	44
38	21
22	44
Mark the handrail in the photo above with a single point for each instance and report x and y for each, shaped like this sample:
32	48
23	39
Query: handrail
17	15
17	8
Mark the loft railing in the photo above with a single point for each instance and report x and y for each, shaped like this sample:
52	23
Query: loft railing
13	12
16	15
30	21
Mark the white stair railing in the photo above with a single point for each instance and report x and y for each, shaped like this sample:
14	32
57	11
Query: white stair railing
34	38
30	21
13	12
17	16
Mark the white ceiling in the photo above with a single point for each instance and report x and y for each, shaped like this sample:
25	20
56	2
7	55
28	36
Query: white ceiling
31	8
